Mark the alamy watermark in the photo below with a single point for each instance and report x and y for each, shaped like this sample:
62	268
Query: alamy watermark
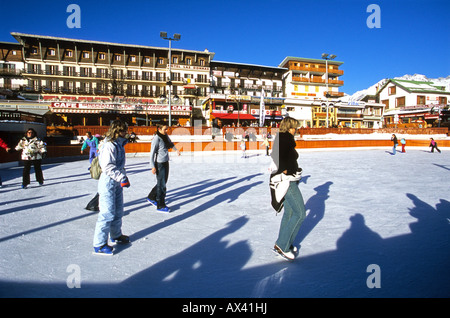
74	19
74	278
374	279
374	19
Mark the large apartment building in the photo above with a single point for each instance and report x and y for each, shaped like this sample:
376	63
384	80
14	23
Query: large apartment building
83	82
311	85
236	92
95	82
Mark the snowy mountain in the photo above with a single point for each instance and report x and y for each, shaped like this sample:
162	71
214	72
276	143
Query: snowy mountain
441	81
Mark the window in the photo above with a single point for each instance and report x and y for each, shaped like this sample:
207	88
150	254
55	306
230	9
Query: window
51	52
69	53
202	62
160	60
188	61
146	59
85	55
420	100
400	101
34	50
391	90
101	56
85	71
132	58
175	60
117	57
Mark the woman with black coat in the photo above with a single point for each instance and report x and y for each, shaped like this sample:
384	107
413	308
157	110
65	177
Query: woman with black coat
287	174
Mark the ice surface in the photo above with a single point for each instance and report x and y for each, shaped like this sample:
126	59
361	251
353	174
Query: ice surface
364	206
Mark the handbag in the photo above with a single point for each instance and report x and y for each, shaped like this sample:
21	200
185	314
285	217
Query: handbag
95	169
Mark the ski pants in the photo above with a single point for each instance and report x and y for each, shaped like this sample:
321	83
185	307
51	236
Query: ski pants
109	219
92	154
293	216
37	171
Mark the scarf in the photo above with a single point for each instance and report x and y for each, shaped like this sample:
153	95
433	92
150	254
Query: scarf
166	140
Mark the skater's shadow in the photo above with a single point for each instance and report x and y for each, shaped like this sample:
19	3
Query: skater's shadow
228	192
316	207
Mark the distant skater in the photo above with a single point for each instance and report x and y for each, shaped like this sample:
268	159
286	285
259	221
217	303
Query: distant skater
33	151
403	142
266	144
92	143
4	146
395	141
433	145
243	148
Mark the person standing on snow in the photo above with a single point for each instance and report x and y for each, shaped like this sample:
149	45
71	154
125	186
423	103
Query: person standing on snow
284	187
4	146
403	142
433	145
395	141
159	163
92	143
110	188
33	151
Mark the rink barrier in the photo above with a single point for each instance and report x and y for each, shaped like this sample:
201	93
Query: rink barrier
59	151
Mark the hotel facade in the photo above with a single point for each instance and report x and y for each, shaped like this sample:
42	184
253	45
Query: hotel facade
81	82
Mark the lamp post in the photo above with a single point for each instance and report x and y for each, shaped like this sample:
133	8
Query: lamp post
327	57
176	37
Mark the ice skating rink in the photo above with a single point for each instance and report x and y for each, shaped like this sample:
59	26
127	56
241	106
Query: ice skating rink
377	225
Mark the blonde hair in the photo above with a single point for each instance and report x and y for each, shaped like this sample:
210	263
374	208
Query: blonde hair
288	123
116	127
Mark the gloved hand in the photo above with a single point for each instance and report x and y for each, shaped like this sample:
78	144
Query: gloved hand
125	183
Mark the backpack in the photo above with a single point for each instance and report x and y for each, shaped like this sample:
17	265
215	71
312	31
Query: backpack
95	170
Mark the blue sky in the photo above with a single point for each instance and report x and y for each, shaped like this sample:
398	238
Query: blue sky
414	35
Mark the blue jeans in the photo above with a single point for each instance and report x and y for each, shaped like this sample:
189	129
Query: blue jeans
394	149
294	214
109	219
158	192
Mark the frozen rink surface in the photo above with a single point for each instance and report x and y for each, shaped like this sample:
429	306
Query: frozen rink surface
377	225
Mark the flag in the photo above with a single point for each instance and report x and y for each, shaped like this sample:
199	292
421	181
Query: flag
262	111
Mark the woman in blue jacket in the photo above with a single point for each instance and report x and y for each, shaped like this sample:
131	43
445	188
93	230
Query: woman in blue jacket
159	162
110	188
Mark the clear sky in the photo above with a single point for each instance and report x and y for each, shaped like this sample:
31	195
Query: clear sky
406	37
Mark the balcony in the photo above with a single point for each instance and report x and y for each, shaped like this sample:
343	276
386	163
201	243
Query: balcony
316	80
318	70
333	94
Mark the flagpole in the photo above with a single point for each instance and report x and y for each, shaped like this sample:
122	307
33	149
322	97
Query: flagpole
262	111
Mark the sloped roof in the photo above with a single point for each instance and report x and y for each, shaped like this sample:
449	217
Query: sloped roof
415	86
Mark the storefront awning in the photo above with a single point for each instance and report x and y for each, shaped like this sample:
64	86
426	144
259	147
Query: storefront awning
233	116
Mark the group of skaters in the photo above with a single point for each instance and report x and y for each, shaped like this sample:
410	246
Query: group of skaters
433	144
284	180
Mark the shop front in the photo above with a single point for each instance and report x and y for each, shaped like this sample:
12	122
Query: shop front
101	114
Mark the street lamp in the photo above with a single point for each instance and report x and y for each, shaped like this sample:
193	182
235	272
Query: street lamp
176	37
327	57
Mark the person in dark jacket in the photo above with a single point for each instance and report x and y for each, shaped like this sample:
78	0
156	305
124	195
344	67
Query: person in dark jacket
285	157
395	142
433	145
